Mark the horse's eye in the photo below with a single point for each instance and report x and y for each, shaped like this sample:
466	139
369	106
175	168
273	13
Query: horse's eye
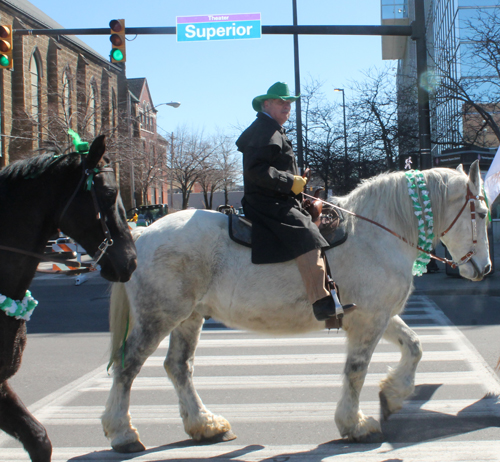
482	215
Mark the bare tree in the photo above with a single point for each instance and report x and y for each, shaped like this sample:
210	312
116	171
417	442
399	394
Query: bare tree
189	152
220	170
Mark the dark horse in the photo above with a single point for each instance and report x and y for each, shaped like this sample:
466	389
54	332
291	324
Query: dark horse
78	194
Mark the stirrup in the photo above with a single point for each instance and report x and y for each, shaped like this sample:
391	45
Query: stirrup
339	308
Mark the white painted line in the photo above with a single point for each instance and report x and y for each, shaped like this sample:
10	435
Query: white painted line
283	381
274	412
304	359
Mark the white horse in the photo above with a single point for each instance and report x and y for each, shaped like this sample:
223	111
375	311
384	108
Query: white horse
189	269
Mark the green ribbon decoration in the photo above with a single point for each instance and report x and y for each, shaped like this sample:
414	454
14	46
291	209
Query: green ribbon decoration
20	309
423	211
81	147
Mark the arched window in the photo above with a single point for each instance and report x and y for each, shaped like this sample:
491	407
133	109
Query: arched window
93	110
148	117
66	97
113	109
35	98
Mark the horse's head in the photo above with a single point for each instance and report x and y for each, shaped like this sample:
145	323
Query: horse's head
94	216
465	219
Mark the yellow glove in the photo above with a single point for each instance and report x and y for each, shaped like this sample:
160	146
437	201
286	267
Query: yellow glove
299	184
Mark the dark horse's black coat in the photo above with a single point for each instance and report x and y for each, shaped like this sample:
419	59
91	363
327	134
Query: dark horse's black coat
33	195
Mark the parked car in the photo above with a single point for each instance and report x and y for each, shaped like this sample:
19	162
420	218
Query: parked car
150	213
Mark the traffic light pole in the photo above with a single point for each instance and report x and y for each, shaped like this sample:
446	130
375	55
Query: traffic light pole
416	31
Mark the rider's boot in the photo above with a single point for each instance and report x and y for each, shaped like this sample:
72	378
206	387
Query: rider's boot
320	288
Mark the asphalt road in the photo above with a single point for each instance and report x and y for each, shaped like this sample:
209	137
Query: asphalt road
279	394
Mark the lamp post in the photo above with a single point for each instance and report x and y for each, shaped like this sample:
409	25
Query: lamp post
174	104
345	132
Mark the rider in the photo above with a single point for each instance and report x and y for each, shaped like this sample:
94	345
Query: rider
282	230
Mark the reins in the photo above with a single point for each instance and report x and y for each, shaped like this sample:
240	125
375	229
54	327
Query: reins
469	198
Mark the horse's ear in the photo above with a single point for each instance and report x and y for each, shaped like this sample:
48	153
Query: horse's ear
475	178
460	168
96	151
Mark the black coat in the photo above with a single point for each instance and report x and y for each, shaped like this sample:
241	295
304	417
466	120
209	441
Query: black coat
282	230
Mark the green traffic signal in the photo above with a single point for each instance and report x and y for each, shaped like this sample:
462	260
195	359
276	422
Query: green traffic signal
4	61
116	54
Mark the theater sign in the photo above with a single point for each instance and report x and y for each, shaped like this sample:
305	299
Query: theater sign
218	27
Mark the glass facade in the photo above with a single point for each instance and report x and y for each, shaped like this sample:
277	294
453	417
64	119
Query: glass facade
394	9
457	60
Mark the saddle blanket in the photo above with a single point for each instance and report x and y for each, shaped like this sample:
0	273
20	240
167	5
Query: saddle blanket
332	228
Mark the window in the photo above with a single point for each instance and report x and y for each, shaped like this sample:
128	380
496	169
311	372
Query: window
66	100
35	98
113	109
93	110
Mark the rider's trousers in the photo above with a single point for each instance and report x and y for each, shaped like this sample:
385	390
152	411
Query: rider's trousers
312	269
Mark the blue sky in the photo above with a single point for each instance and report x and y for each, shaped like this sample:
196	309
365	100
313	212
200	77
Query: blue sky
216	81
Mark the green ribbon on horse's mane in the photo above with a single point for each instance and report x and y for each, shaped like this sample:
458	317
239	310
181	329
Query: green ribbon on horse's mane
20	309
423	212
82	147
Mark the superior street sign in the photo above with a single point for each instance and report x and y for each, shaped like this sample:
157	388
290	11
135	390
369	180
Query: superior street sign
218	27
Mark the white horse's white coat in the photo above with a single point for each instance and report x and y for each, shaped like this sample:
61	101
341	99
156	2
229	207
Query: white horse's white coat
188	269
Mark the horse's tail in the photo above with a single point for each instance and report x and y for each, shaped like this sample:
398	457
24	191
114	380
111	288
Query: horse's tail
120	321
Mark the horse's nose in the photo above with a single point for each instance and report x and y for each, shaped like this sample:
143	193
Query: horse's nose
487	269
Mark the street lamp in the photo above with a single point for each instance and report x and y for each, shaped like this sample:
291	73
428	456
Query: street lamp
345	132
175	104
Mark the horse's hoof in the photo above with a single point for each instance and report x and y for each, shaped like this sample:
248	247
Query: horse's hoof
220	438
384	405
127	448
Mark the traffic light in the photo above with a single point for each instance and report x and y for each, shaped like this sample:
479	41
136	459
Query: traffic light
117	39
6	47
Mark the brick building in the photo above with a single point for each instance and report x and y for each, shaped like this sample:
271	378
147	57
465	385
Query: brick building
58	83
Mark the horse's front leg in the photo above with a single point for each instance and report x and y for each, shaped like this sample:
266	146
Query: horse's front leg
15	419
363	334
400	382
199	422
18	422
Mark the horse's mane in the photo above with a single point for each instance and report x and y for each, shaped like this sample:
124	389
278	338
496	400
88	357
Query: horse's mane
33	167
385	199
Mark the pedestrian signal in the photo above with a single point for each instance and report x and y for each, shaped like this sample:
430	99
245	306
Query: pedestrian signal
117	39
6	47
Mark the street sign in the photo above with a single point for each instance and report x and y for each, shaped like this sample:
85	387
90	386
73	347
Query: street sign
218	27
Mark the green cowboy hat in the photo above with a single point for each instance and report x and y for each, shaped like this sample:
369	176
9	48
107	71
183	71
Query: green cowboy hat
277	91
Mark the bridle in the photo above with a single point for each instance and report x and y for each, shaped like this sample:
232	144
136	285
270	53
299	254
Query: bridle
469	199
87	178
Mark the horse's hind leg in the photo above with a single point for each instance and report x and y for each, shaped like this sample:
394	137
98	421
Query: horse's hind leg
116	420
400	382
199	422
363	334
18	422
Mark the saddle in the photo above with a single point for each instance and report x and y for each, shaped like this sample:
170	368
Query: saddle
330	223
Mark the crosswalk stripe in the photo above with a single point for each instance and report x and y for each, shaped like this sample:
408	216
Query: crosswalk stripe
275	412
307	359
328	340
282	381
